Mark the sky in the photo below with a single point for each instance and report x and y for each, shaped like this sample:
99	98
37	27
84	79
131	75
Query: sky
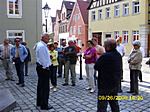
54	5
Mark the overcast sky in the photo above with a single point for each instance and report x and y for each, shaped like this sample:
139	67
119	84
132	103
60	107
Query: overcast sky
54	5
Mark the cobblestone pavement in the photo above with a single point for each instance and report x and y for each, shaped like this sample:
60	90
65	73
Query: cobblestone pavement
76	99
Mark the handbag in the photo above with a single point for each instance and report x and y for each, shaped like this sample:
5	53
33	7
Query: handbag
148	62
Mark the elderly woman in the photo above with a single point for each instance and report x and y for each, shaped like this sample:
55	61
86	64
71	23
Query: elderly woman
135	60
90	59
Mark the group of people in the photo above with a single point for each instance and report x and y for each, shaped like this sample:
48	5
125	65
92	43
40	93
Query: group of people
19	55
103	63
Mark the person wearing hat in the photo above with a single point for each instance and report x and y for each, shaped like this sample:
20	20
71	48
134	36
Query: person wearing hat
135	60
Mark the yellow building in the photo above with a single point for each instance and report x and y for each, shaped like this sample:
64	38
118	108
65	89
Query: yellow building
128	19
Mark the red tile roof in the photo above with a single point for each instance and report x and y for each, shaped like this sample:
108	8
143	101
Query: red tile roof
83	5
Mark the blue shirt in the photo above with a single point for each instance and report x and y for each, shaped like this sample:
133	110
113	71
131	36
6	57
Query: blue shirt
43	55
22	52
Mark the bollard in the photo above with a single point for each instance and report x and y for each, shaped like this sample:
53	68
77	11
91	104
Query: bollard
80	66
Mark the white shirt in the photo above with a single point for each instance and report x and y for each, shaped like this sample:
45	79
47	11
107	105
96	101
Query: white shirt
42	54
120	49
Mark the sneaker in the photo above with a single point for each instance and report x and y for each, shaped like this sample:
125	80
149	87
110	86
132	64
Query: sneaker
88	88
54	89
92	91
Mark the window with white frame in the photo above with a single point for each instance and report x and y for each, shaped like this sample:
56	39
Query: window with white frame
116	34
108	12
100	14
117	11
126	9
93	16
74	30
125	37
12	34
135	35
14	8
79	29
136	7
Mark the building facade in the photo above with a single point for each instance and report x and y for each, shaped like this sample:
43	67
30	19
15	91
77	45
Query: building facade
21	18
127	19
66	10
78	25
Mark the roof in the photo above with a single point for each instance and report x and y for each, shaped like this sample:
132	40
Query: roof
83	5
68	4
58	12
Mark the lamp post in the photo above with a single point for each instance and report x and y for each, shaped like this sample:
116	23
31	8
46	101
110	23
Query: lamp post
46	9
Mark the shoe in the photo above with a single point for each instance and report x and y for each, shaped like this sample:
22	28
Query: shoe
122	80
92	91
47	108
26	75
22	85
134	93
73	85
7	79
18	83
59	76
65	84
54	89
141	80
51	87
130	92
88	88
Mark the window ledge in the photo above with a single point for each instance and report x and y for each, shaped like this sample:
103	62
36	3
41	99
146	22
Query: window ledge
14	16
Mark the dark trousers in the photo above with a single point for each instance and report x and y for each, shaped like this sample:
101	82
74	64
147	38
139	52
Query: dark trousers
134	80
26	67
60	66
140	75
42	87
19	69
102	103
53	76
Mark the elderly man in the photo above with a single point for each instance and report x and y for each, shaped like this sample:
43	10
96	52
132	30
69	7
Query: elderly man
5	49
43	62
18	54
71	59
135	60
109	67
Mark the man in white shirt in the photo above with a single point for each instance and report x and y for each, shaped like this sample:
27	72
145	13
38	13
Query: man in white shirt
43	62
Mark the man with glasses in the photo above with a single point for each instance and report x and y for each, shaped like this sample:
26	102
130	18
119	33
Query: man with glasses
18	55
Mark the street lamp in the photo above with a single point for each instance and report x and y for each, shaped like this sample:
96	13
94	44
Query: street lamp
46	9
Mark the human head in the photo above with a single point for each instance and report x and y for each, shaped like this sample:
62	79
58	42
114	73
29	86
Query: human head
136	44
95	40
70	43
17	41
6	41
51	47
63	43
45	38
90	43
55	44
118	40
110	44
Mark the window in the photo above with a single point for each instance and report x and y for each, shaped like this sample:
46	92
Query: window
125	9
125	37
93	16
136	7
100	14
135	35
107	12
117	11
12	34
14	8
116	34
79	29
74	30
